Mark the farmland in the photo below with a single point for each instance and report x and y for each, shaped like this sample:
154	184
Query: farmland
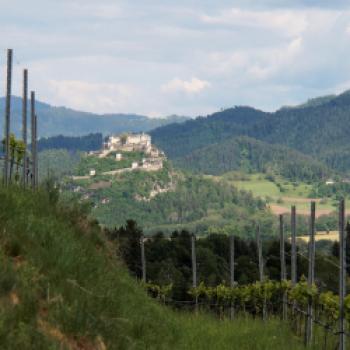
279	193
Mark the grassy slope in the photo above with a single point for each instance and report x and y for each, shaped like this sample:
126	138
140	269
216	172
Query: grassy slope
298	195
61	284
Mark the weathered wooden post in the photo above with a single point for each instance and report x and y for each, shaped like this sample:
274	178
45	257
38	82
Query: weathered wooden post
283	266
27	169
32	117
194	266
24	125
232	270
8	116
294	247
311	275
342	275
293	253
261	266
260	256
36	177
143	258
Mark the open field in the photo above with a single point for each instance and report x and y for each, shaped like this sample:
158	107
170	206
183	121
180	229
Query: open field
321	235
281	194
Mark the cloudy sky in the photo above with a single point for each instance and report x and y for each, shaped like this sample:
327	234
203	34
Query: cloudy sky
186	57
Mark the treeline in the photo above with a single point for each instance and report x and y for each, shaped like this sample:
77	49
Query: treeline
178	140
336	190
319	130
168	260
250	155
91	142
57	163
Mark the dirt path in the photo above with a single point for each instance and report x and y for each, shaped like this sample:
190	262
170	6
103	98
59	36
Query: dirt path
301	200
278	210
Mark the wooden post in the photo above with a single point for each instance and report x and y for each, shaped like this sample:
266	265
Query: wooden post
194	266
293	253
24	125
8	116
232	261
27	169
283	266
282	249
143	259
261	267
232	270
32	117
342	275
36	177
311	275
294	247
259	252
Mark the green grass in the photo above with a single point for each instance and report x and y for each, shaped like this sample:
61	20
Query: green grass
260	186
108	163
61	284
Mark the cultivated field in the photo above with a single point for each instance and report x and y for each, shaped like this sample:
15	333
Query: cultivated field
281	194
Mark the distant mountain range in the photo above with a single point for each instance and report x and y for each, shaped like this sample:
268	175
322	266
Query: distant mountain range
319	129
65	121
305	142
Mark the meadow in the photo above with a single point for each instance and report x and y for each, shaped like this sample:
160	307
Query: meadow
281	194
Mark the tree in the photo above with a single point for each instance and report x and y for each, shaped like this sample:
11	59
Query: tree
16	155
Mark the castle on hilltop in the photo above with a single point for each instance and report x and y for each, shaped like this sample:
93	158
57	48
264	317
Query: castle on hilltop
131	143
118	145
128	143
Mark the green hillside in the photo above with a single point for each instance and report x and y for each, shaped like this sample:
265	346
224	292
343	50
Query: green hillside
250	155
62	287
167	199
317	129
178	140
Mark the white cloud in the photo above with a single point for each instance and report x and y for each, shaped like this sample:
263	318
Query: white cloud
288	21
192	86
82	95
120	56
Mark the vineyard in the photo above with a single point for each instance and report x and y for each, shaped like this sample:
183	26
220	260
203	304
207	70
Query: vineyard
265	300
317	315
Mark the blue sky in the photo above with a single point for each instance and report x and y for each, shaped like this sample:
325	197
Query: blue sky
177	57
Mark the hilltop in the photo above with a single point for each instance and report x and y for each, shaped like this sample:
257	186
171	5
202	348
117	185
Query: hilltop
130	178
318	129
62	285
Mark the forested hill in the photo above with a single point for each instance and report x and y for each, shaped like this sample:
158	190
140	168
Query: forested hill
319	129
64	121
178	140
250	155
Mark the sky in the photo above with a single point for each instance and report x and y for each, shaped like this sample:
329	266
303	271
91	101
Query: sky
162	57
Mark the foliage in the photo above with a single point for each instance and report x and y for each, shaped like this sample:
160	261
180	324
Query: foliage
250	155
178	201
64	289
57	163
91	142
254	296
319	130
108	163
169	260
16	154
